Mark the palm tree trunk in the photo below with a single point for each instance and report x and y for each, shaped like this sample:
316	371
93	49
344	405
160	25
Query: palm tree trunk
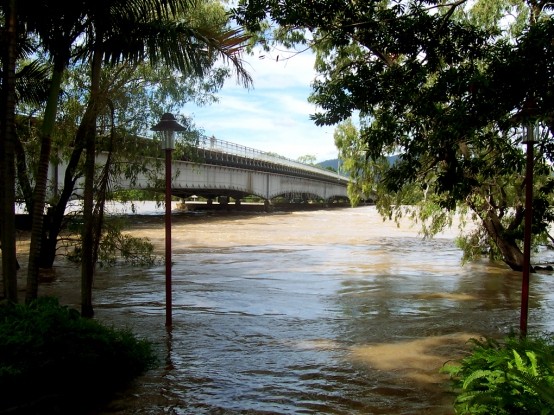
71	176
87	261
7	157
39	195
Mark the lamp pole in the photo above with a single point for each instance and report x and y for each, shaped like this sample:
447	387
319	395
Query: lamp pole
527	116
529	141
167	126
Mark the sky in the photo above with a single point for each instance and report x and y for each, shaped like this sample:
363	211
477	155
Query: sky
274	114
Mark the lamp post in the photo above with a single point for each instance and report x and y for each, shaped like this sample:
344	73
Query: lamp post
167	126
527	114
529	141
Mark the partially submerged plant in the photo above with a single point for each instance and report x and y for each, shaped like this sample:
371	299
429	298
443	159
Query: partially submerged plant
512	377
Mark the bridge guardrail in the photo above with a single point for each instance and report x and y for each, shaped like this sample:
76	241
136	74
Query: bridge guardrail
227	147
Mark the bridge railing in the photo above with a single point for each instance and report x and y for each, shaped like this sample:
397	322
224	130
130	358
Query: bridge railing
227	147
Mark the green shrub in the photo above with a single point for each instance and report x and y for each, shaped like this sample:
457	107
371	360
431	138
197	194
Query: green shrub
511	377
115	245
53	361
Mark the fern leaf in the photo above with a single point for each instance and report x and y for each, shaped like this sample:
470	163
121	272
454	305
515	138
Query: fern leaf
492	376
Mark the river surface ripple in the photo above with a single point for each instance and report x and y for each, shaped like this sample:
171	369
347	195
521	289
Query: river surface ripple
317	312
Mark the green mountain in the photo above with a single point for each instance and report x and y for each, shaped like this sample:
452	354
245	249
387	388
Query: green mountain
335	162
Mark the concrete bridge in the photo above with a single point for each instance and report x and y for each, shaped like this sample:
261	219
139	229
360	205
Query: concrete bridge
219	170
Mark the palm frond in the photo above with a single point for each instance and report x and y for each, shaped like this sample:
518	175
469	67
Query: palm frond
178	45
32	83
229	45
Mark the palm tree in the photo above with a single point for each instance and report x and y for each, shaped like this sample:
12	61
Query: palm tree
110	32
57	24
131	32
7	139
29	85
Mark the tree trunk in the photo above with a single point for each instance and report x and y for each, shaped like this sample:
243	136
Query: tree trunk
87	262
507	246
7	157
57	213
39	195
22	174
87	259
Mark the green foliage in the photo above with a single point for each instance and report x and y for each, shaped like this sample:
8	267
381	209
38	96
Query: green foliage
155	56
132	250
476	244
54	361
442	86
134	195
116	245
509	378
307	159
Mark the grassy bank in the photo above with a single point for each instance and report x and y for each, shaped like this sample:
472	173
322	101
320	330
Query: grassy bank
52	361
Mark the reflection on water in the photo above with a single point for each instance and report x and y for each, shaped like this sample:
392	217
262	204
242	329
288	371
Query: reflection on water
327	312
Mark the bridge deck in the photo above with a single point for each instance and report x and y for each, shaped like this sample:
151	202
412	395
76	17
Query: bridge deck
214	168
221	152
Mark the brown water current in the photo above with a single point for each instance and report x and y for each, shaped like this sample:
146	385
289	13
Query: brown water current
314	312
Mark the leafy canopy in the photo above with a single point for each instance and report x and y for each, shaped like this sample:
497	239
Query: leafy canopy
448	87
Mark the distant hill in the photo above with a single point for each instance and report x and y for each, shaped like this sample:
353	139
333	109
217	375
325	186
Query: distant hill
334	163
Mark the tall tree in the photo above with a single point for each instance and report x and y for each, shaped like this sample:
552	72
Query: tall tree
26	86
7	152
133	33
133	94
57	26
443	86
124	31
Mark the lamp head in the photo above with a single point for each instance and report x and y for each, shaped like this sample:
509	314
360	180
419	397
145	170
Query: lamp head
167	126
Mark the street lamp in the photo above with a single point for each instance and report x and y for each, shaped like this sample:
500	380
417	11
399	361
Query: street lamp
527	230
527	114
167	126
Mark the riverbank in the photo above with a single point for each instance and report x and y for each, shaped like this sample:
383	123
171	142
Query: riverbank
145	211
193	206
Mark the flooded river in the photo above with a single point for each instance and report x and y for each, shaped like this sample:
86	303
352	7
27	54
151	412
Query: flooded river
315	312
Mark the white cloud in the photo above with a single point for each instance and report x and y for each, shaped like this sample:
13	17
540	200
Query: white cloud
274	115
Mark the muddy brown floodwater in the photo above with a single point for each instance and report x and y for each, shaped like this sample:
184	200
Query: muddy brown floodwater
314	312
